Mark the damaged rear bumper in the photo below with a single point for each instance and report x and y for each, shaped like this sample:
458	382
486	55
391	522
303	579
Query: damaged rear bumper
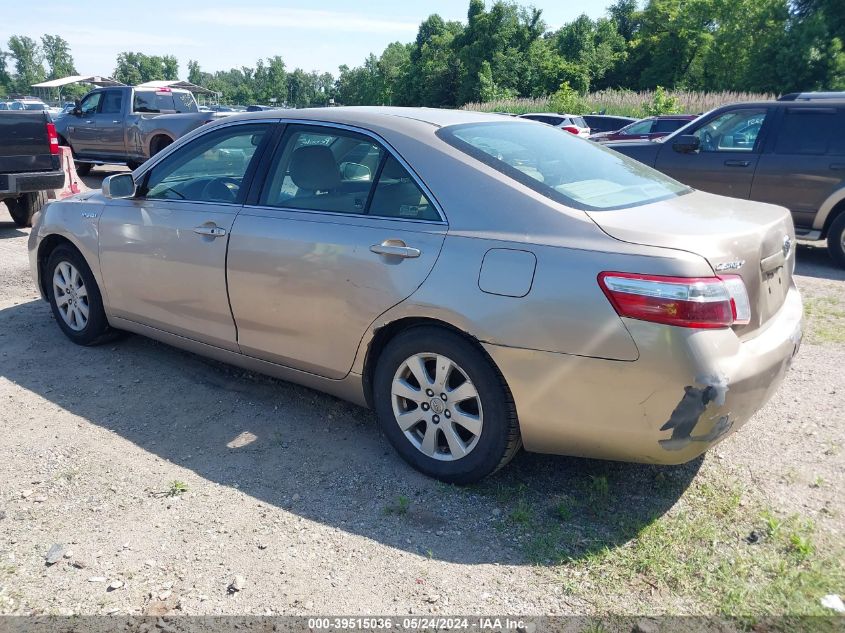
688	390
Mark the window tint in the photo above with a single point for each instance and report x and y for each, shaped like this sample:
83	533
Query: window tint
837	135
640	127
112	102
561	167
209	169
89	104
397	195
665	126
153	101
734	131
323	169
808	131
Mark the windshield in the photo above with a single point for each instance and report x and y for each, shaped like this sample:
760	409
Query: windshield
562	167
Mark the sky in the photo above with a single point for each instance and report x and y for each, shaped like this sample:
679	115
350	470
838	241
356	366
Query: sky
223	34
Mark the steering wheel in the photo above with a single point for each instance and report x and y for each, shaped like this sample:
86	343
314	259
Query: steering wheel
219	189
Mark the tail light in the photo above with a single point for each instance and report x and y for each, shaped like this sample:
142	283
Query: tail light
571	129
693	302
52	139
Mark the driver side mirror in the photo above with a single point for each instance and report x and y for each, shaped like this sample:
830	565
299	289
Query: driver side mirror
119	186
686	144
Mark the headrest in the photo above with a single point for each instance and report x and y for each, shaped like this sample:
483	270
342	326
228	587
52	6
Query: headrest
313	167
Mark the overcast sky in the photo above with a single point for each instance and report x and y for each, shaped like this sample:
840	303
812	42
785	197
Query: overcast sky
223	34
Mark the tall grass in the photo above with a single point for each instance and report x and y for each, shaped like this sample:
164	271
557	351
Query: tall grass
622	102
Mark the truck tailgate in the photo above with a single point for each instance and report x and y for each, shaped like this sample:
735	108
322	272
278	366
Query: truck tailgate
24	144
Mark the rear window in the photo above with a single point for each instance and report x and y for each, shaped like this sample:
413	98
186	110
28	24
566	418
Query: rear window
579	121
811	131
562	167
153	101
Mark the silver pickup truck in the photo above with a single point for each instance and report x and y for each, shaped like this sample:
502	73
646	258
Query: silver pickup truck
127	125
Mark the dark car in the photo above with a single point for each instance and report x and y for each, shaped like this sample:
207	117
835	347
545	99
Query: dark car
648	129
790	153
606	122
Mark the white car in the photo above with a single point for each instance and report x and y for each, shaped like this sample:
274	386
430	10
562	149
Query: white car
571	123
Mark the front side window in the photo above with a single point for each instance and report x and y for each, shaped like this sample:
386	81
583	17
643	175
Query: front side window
211	168
89	104
640	127
112	102
562	167
734	131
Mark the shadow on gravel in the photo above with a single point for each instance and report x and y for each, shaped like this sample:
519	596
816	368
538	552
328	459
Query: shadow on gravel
324	459
814	261
9	230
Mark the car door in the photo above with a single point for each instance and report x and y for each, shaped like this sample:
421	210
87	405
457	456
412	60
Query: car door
340	232
82	130
109	122
729	148
163	252
800	167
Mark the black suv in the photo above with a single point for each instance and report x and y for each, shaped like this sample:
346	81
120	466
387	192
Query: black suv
790	153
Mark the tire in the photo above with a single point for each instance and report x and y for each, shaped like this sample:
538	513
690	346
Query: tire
23	208
159	144
134	164
95	329
438	444
83	169
836	240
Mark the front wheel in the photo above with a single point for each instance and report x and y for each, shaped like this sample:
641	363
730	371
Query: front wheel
23	208
444	406
836	240
75	298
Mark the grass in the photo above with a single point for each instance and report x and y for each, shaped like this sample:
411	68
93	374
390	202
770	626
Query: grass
399	507
710	547
825	319
177	488
623	102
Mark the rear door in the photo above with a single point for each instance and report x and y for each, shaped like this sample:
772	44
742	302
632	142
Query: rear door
804	162
341	232
730	142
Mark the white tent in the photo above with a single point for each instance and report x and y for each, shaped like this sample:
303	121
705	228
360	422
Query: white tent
177	83
90	79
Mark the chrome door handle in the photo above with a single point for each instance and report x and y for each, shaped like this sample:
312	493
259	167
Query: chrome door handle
89	121
395	248
837	166
210	231
737	163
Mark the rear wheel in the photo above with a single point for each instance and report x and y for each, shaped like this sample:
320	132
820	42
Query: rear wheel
83	169
836	240
75	298
444	406
23	208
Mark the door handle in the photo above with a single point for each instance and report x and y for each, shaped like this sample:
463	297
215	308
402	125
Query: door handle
115	121
837	166
210	231
89	121
395	248
737	163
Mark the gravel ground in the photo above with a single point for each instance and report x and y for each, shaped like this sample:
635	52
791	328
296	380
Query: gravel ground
163	476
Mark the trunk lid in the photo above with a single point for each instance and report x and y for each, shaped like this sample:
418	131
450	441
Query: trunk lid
739	237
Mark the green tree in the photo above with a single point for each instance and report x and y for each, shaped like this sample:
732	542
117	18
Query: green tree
28	62
58	57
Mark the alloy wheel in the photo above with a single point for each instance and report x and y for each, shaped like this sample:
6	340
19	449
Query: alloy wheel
71	296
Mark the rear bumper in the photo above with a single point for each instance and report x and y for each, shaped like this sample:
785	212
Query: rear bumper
687	391
15	184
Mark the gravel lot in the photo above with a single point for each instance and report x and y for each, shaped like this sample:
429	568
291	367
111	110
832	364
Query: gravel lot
162	476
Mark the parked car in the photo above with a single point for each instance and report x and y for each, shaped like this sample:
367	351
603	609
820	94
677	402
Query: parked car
481	281
29	162
606	123
784	152
811	96
4	105
126	125
566	122
650	128
28	103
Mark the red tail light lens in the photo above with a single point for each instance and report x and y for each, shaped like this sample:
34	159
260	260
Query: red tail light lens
571	129
52	139
693	302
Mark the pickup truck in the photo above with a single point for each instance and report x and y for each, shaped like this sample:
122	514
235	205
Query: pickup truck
29	162
126	125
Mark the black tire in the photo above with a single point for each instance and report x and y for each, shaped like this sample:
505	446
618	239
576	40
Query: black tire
836	240
499	439
134	164
159	144
97	329
83	169
23	208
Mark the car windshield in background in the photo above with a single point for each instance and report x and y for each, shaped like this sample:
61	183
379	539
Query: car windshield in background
152	101
562	167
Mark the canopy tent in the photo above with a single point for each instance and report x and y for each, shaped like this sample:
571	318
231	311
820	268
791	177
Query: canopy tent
176	83
91	79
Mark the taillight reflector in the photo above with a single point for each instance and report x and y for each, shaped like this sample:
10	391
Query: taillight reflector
571	129
52	138
693	302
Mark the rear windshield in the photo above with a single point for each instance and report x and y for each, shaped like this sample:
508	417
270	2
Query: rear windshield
569	170
579	121
153	101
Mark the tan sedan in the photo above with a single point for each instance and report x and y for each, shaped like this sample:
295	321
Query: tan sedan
482	282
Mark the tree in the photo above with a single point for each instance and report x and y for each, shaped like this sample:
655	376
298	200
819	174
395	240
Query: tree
137	68
28	62
58	57
5	78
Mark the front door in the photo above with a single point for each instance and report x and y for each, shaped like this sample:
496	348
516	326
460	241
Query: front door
729	150
82	130
163	253
340	233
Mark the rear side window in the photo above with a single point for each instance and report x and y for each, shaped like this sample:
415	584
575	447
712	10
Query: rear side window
809	131
152	101
112	102
579	121
665	126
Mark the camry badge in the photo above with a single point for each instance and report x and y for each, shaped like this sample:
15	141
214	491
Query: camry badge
787	245
730	265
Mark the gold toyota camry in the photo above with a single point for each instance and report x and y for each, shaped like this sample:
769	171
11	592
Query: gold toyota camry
482	282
